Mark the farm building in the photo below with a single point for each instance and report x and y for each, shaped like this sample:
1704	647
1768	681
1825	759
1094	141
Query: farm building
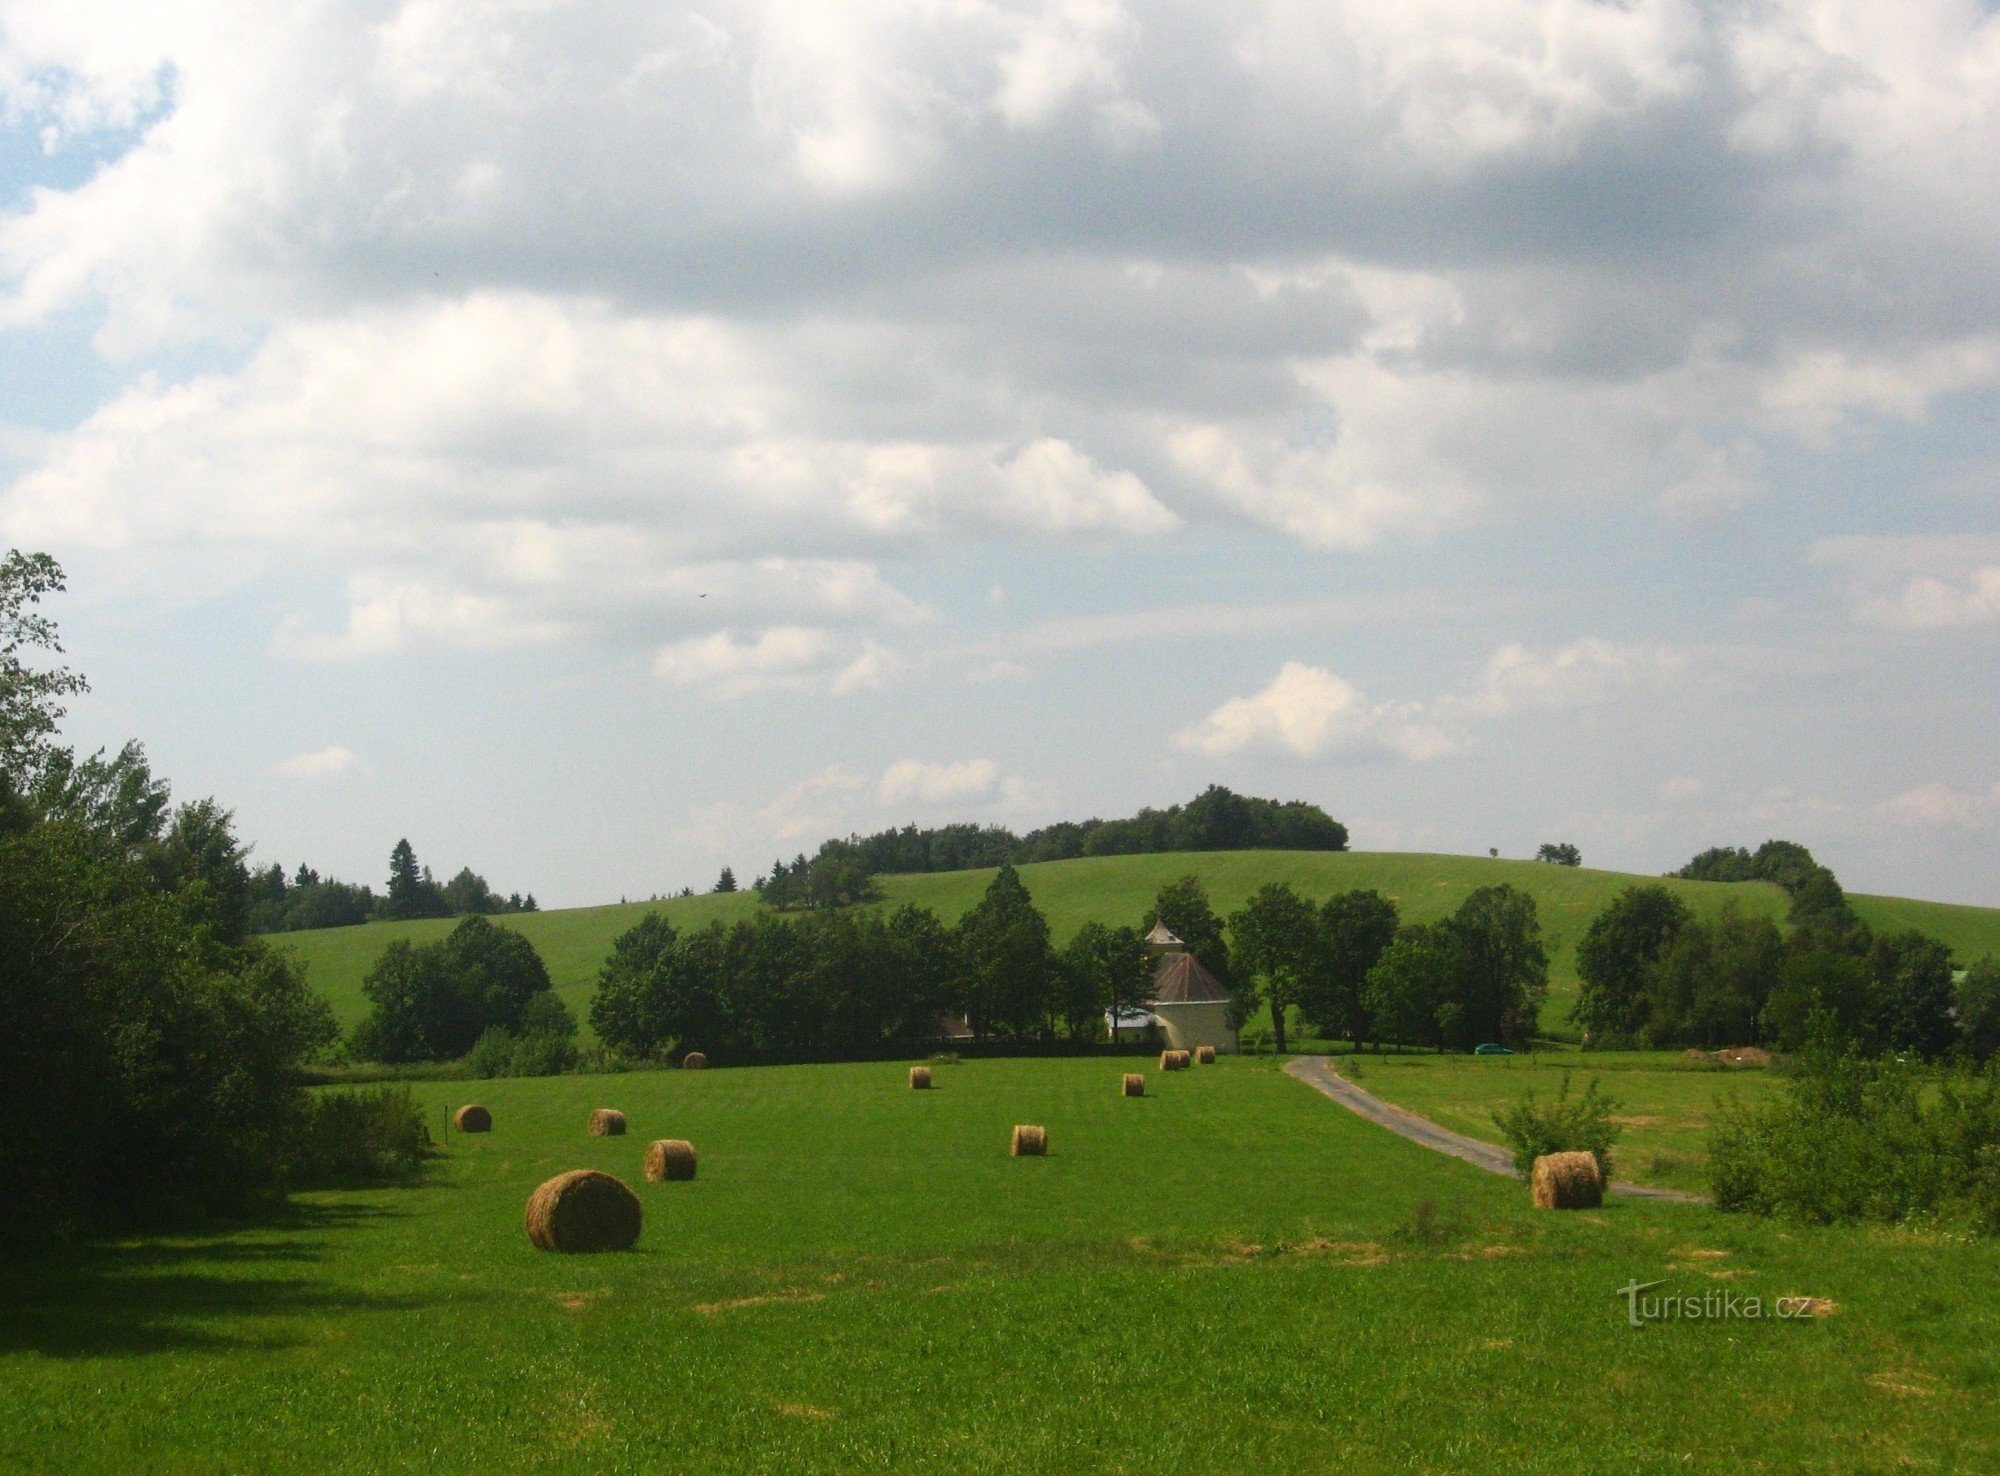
1189	1002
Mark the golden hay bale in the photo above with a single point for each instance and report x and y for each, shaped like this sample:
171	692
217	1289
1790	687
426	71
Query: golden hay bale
1171	1060
583	1210
670	1158
607	1122
1135	1084
1204	1055
920	1078
1029	1141
693	1061
1567	1181
472	1118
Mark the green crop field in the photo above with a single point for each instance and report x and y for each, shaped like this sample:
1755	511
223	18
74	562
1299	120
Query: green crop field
1115	889
1665	1103
1232	1273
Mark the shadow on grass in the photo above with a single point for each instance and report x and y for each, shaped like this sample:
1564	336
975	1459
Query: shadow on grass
186	1291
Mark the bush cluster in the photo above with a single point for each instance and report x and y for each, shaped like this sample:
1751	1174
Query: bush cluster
1561	1125
1853	1139
367	1136
842	871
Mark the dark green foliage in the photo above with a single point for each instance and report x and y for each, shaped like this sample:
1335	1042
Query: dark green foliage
836	877
1979	1009
1616	957
542	1044
1858	1139
1003	951
1184	907
1559	853
1105	969
117	798
30	698
432	1001
726	882
1215	820
1479	975
1562	1125
411	891
306	900
149	1069
1276	944
281	906
150	1054
1408	992
1504	968
1709	986
1355	929
1912	995
354	1137
1818	904
836	985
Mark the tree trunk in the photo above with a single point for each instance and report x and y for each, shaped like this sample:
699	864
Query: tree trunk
1278	1024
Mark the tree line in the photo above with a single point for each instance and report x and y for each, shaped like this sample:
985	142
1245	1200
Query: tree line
852	982
150	1047
841	872
305	899
1655	974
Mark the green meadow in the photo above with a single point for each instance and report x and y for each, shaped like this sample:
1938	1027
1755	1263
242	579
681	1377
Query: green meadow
1113	889
1665	1103
1230	1273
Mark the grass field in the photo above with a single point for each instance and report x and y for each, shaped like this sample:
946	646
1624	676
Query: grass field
1113	889
1231	1273
1665	1102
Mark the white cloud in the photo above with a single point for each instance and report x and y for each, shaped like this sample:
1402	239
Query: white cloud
336	761
1937	806
777	279
909	781
1308	712
785	657
1579	674
1919	583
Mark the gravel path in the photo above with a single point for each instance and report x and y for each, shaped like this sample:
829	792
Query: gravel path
1315	1073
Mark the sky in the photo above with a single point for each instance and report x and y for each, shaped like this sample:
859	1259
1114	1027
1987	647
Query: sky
604	442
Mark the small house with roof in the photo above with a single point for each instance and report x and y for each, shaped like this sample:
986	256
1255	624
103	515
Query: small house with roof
1189	1002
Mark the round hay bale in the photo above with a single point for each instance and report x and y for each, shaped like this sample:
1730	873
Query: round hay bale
920	1078
472	1118
670	1158
583	1210
1204	1055
1135	1084
607	1122
1567	1181
1029	1141
1170	1060
693	1061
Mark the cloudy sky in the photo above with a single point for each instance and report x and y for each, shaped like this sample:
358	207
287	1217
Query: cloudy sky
605	440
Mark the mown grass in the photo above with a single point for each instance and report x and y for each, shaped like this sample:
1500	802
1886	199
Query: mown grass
1664	1101
1230	1273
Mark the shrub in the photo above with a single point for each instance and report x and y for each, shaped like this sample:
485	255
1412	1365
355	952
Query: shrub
359	1137
1582	1125
1854	1139
493	1053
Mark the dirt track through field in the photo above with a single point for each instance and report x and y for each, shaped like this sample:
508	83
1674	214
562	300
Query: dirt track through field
1317	1074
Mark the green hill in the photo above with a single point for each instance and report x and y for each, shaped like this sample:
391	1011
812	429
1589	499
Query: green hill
1115	889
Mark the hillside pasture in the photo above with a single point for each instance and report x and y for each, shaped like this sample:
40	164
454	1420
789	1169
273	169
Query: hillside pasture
1118	889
